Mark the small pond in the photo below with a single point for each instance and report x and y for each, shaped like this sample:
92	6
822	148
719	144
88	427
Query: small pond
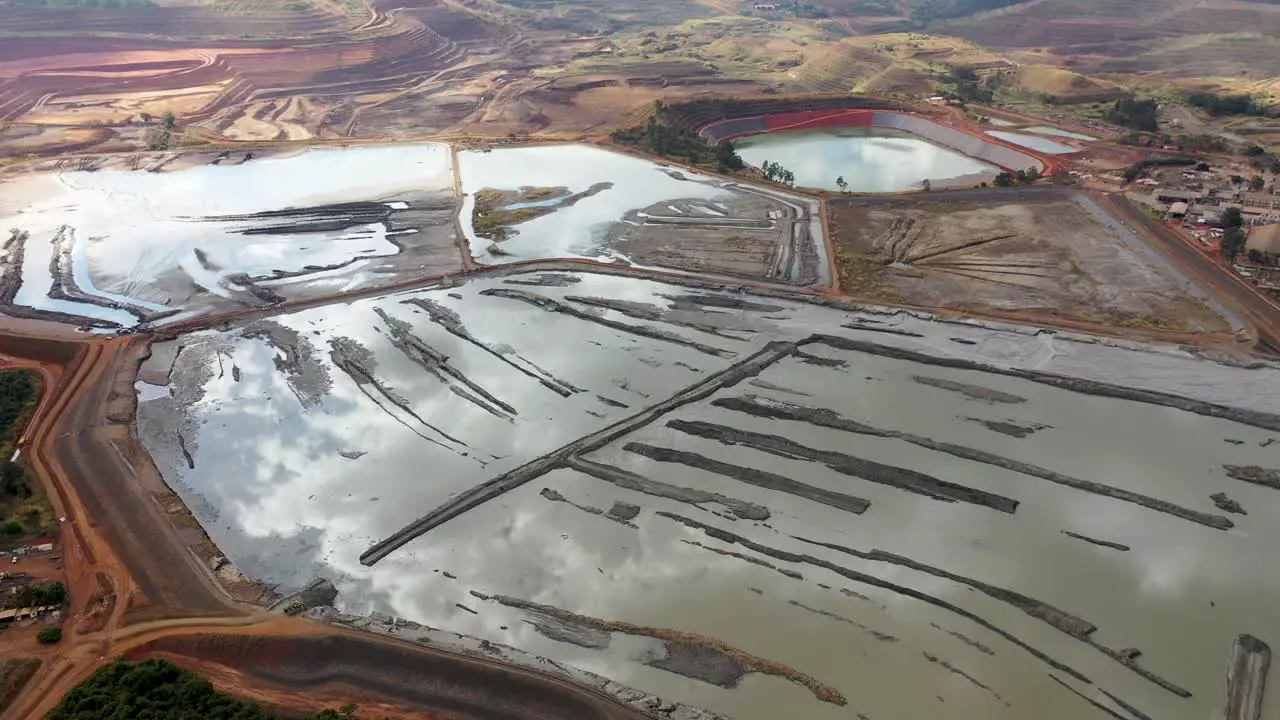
869	159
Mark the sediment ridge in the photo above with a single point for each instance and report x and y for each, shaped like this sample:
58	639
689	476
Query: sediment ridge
823	417
871	471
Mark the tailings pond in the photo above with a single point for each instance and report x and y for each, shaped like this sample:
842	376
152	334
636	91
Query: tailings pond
1044	145
749	503
557	201
869	159
168	236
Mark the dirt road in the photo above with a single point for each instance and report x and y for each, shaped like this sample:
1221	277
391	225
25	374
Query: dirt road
1262	314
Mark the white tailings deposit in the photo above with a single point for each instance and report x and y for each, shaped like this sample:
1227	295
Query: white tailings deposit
124	246
749	503
617	208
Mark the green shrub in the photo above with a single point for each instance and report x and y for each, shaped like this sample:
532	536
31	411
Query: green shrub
49	635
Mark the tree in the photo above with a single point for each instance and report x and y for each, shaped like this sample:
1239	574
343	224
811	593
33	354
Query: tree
1255	256
49	635
1004	179
727	157
840	183
13	527
169	121
1202	167
13	481
1256	183
925	185
1233	242
775	172
1254	150
1232	218
1132	113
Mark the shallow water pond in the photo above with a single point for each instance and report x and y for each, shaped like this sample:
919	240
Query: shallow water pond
869	159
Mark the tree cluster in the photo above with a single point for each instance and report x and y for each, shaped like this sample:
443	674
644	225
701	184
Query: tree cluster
54	593
1225	104
156	689
160	139
775	172
968	85
1021	177
662	135
18	390
804	9
1140	168
1134	113
1234	238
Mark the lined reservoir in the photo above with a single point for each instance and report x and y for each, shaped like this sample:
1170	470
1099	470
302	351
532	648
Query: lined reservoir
1031	141
869	159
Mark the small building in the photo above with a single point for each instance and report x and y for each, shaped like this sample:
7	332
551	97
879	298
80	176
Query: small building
1172	196
1178	209
1265	241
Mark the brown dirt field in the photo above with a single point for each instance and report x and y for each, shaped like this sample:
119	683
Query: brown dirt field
1040	253
14	675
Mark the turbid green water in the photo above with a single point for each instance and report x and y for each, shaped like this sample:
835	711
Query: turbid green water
869	159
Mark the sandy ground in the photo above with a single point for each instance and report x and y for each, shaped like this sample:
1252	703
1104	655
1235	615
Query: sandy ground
1047	252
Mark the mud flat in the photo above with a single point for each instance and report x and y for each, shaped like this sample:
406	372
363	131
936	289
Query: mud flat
623	209
1051	251
134	246
468	444
1247	678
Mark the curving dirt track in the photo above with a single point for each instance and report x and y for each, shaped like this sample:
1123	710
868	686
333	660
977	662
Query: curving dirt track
1262	314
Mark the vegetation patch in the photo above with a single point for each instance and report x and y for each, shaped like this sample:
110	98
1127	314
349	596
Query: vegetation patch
663	134
496	211
54	593
160	689
24	510
14	675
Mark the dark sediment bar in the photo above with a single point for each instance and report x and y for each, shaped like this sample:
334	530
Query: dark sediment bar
1247	678
550	305
1058	618
823	417
692	496
494	487
901	478
1094	541
1086	698
452	323
1265	477
865	579
1268	421
651	312
752	476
